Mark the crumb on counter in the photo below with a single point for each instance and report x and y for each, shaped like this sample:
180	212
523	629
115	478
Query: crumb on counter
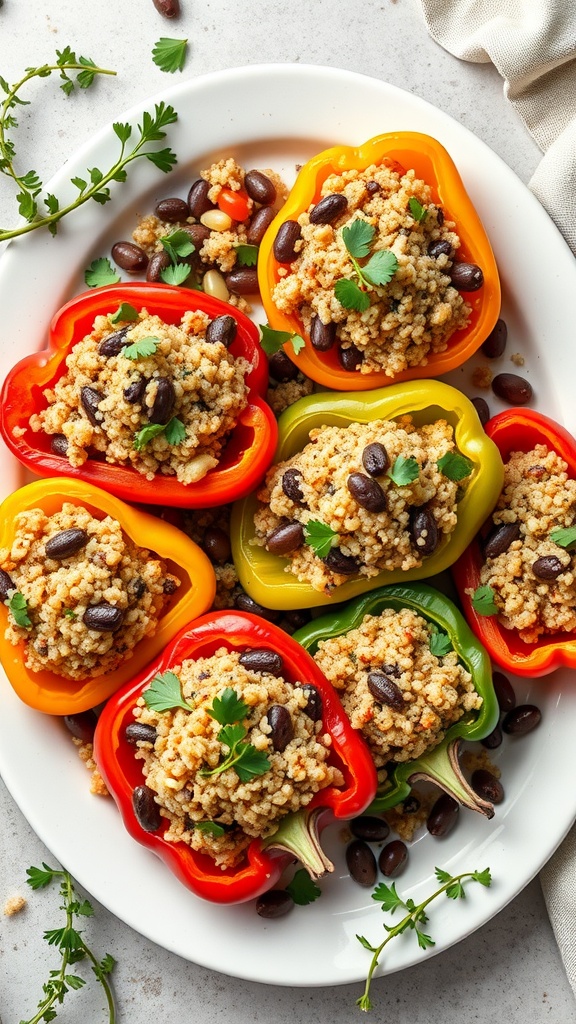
482	377
13	905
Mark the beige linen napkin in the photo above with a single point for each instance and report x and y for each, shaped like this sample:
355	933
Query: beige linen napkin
532	43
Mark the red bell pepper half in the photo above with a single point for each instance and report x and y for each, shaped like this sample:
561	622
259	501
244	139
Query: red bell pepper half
265	860
517	430
251	445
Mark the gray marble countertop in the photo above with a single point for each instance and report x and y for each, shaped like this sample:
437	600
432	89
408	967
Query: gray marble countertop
510	969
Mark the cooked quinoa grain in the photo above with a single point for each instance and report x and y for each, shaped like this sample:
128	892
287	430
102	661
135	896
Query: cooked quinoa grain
428	693
538	497
418	310
314	487
187	744
107	571
169	411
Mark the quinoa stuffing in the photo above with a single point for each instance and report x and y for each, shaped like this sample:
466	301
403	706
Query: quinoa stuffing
157	397
219	810
411	315
400	695
532	577
390	515
79	592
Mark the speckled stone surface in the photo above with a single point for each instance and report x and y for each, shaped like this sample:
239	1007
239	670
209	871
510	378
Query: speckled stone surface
510	969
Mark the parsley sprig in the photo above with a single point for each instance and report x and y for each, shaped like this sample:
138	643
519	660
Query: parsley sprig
30	196
174	431
165	693
19	608
483	600
229	710
378	270
170	54
272	341
320	537
178	245
564	537
387	896
71	945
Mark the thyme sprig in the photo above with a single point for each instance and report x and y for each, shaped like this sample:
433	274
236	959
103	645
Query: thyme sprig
30	197
71	946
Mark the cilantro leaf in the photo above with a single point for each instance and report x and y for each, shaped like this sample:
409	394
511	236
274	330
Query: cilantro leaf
147	434
483	601
141	349
228	707
250	762
38	878
247	255
176	274
381	267
404	470
320	537
484	877
302	889
124	314
350	295
165	693
211	828
564	537
178	244
387	896
455	466
170	54
19	608
100	273
175	431
70	613
358	237
418	211
440	644
272	341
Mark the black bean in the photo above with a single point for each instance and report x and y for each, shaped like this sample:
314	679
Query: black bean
197	233
113	344
375	459
222	329
103	617
291	485
486	785
313	702
523	719
338	562
59	444
66	543
441	247
139	732
482	408
504	691
440	215
247	604
496	341
329	208
216	544
361	863
259	187
393	858
170	585
285	538
372	187
289	233
280	722
159	261
548	567
82	725
493	739
423	529
242	280
350	357
322	336
6	584
297	617
512	388
500	538
443	816
281	367
467	277
385	690
262	659
129	257
172	209
135	391
137	588
274	903
164	401
391	670
370	828
410	805
167	8
259	224
146	809
367	492
198	202
90	400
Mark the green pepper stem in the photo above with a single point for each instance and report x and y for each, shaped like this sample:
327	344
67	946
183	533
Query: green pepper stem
298	834
442	766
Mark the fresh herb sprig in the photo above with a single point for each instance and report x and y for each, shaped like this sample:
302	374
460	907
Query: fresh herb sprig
229	710
379	270
387	896
564	537
272	341
18	605
170	54
165	693
177	245
72	947
30	197
174	431
320	537
483	600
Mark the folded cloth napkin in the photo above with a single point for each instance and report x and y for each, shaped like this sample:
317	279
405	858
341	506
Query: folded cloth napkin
532	43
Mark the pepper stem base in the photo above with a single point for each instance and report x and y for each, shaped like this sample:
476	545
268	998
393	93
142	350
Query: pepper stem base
442	766
298	835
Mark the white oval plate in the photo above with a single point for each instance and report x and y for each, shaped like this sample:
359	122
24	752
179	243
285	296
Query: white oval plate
279	115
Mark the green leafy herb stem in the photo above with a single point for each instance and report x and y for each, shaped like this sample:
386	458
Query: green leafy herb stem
387	896
72	947
228	710
379	270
